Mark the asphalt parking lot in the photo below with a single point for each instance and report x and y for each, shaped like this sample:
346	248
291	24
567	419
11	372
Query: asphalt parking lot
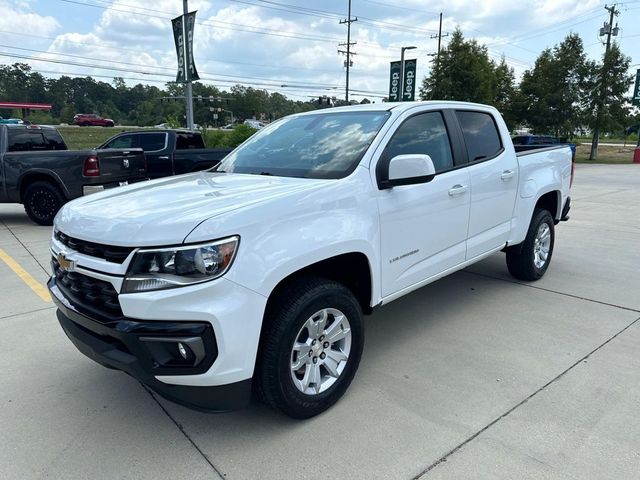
475	376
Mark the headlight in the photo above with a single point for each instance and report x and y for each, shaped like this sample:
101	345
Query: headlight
172	267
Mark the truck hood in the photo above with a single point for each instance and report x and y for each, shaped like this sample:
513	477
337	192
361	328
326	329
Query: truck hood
165	211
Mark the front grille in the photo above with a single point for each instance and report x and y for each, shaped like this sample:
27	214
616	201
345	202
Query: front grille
106	252
89	295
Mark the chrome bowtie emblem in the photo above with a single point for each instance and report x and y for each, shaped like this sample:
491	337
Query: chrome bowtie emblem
125	162
66	264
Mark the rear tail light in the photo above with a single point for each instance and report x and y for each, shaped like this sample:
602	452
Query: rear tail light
91	166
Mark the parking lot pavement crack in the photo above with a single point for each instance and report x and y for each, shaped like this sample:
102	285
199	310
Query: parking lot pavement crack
577	297
468	440
184	432
27	313
47	272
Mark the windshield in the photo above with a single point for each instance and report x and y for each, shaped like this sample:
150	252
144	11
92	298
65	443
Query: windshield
324	145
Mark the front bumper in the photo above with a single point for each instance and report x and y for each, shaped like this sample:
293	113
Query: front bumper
123	344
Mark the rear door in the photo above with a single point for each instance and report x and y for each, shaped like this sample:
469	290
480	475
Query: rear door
493	171
423	227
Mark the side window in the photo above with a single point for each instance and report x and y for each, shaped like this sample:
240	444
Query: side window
424	134
185	141
54	140
25	141
125	141
480	135
152	142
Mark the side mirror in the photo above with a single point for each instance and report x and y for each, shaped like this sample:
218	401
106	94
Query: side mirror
409	170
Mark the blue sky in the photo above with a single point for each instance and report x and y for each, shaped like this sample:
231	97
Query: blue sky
270	43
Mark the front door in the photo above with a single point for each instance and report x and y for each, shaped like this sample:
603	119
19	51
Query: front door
423	227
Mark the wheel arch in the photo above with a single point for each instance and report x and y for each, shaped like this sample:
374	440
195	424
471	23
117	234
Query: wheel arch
40	176
352	269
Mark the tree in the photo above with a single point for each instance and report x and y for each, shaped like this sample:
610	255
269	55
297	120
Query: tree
607	104
552	92
505	85
463	72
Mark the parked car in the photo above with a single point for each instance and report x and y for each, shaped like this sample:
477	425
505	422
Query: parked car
254	124
257	273
92	120
11	121
228	126
540	141
37	170
170	152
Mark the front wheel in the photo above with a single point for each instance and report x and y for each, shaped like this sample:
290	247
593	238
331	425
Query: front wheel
42	200
311	347
530	260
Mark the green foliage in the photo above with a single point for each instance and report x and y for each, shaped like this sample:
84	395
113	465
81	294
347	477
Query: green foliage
227	139
140	104
463	72
552	92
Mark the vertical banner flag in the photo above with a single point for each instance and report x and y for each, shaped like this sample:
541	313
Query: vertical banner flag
394	82
635	100
178	37
190	21
183	37
409	81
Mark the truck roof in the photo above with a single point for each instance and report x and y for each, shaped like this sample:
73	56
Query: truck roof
398	106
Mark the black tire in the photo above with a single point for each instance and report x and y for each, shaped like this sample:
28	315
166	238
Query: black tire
284	320
520	258
42	200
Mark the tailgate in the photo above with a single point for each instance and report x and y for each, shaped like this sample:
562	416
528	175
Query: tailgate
121	164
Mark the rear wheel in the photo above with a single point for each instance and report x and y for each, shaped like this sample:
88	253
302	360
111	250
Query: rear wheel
530	260
42	200
311	347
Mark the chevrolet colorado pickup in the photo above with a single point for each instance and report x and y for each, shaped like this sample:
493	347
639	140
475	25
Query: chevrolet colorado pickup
170	152
256	274
37	170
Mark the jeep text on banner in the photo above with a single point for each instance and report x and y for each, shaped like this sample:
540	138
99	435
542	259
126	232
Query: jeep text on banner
409	81
394	82
183	36
192	73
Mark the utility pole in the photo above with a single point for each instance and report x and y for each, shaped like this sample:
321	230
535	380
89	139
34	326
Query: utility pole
348	63
609	30
439	37
188	87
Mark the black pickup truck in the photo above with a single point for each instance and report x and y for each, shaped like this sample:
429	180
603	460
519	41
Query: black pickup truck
37	170
170	152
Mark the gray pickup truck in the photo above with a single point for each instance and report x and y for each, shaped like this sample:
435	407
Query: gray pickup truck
37	170
170	152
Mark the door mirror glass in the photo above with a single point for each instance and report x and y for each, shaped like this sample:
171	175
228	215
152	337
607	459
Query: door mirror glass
409	170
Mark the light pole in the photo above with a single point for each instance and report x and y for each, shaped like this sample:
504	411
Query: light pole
402	71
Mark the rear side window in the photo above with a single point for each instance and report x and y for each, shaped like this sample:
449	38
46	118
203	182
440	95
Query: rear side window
185	141
423	134
152	142
480	135
26	141
54	140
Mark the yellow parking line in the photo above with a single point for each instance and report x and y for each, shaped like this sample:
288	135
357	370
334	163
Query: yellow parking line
31	282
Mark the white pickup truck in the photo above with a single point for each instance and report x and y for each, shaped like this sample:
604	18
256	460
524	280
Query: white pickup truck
255	275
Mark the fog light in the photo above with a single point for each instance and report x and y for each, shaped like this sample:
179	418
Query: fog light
182	350
174	352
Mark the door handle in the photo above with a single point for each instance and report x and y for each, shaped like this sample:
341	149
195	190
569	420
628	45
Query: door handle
164	157
507	174
457	190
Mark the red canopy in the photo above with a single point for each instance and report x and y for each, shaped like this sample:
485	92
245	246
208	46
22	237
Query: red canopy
29	106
